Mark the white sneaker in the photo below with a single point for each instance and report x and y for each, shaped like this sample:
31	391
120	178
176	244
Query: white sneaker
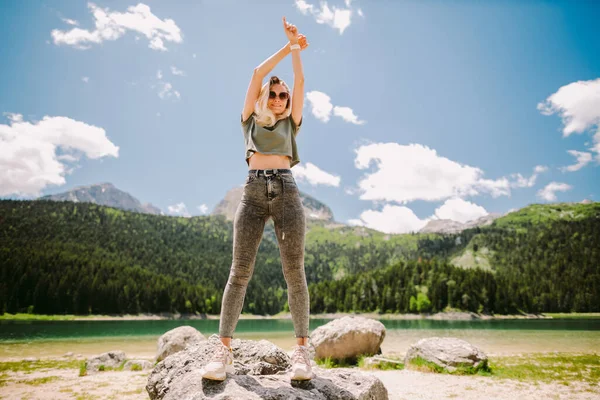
301	369
220	363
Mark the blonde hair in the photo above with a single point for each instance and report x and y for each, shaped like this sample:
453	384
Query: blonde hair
264	116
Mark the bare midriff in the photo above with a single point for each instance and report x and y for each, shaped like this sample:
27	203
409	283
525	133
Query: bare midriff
268	161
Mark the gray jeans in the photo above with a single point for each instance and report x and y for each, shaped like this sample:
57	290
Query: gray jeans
270	193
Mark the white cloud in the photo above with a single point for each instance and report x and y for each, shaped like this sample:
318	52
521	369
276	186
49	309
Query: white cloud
203	208
321	105
165	89
347	115
85	79
337	18
578	104
178	209
460	210
176	71
391	219
322	108
70	21
315	176
401	219
111	25
583	159
28	152
521	181
549	192
360	12
415	172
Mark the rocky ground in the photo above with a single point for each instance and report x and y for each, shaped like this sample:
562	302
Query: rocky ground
402	384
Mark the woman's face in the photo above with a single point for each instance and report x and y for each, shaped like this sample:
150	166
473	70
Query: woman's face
277	104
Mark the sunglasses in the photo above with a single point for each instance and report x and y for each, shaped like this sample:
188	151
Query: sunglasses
282	95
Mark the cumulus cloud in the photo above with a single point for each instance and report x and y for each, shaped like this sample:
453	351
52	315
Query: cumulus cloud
460	210
315	176
203	208
178	209
322	108
337	17
29	159
578	105
85	79
404	173
391	219
111	25
549	192
401	219
347	115
583	159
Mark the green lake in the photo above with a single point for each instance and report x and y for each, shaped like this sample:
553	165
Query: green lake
138	338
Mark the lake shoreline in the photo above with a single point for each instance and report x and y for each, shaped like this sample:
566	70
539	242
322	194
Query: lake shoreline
452	316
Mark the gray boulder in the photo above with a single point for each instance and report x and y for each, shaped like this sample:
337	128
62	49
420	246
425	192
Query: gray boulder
110	359
261	373
347	338
176	340
447	352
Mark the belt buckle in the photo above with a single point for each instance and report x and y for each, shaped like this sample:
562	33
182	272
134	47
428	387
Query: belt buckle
274	172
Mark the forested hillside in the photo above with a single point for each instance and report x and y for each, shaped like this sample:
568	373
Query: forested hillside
64	257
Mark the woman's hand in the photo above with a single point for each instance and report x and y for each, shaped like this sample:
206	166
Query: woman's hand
290	31
302	42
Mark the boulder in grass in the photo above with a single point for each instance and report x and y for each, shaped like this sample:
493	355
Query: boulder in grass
261	373
446	353
348	337
176	340
109	360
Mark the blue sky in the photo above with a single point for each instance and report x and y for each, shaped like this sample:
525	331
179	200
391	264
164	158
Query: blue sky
413	109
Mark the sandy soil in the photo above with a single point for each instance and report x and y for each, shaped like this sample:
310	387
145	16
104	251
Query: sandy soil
403	384
413	385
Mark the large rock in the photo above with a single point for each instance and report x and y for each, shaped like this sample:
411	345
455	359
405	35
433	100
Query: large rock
447	352
110	359
176	340
347	338
261	373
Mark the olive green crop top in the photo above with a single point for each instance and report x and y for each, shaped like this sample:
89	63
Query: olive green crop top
277	139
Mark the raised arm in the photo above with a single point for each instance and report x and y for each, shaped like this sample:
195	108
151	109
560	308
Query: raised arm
298	91
257	77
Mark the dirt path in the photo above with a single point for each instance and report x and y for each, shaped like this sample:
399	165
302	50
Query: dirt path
413	385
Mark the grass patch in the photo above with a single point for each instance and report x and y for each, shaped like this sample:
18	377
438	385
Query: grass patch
557	367
420	364
39	381
336	363
381	364
30	366
83	368
574	315
356	362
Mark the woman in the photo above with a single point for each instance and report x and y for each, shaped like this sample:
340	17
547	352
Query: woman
270	119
